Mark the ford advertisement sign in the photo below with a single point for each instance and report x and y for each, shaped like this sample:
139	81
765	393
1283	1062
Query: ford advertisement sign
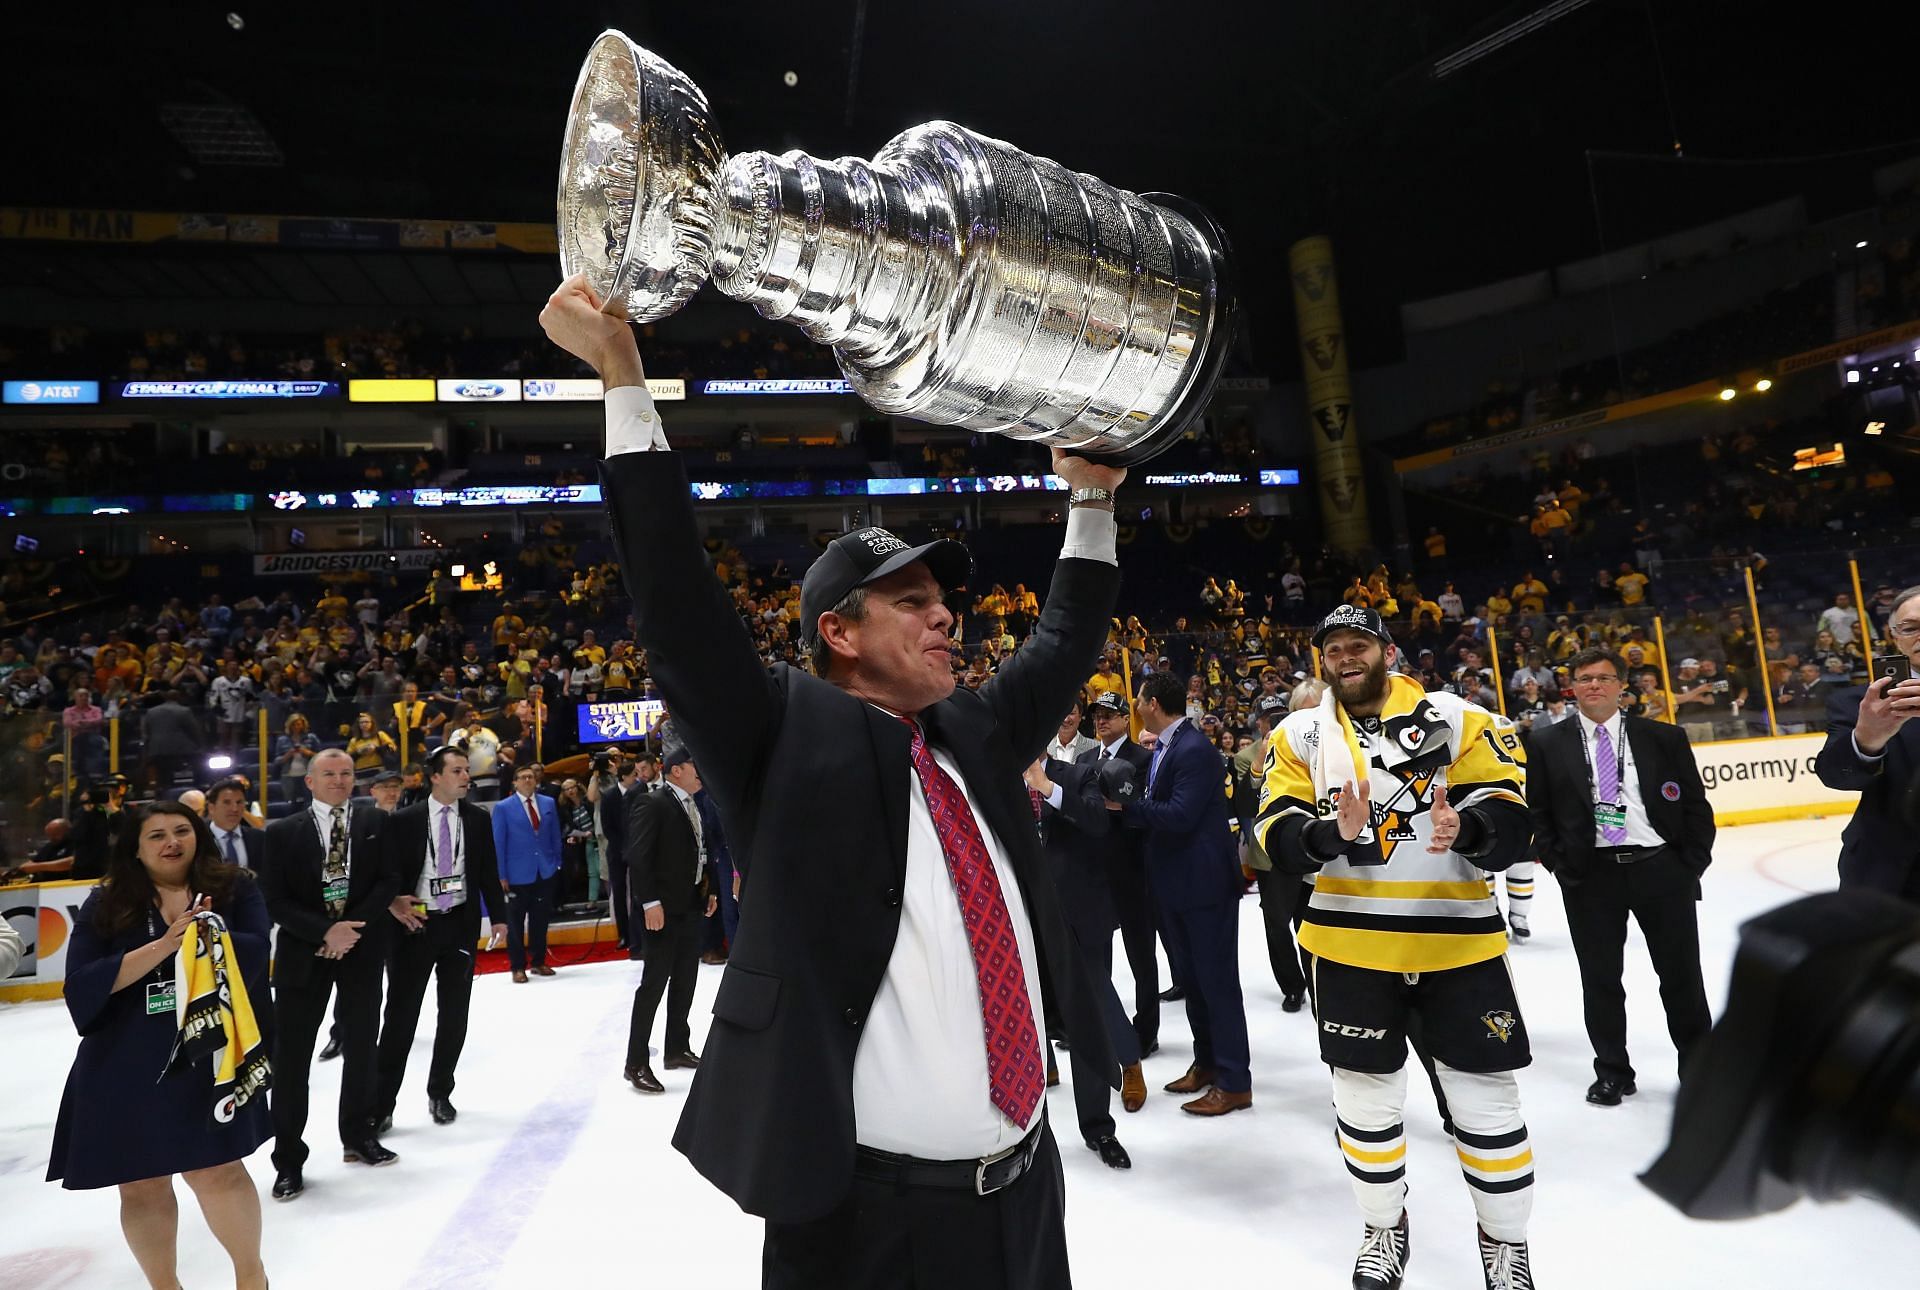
477	391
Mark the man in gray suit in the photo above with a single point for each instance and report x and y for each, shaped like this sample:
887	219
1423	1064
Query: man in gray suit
170	737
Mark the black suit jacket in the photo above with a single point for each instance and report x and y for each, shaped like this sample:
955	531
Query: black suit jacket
613	821
290	879
407	848
663	856
1560	794
252	841
1086	841
1880	851
812	784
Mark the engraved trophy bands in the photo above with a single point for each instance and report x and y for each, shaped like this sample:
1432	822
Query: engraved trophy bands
958	280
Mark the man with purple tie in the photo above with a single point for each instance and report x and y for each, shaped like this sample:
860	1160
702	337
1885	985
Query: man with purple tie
440	853
1623	822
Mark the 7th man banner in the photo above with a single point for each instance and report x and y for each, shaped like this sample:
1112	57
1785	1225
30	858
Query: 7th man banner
1323	361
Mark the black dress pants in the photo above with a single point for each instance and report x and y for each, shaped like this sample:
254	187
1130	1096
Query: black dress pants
299	1010
443	949
1283	903
673	964
1138	932
1092	1096
617	895
1660	893
886	1237
529	907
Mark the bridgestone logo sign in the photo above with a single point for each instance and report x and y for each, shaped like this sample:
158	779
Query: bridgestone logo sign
310	562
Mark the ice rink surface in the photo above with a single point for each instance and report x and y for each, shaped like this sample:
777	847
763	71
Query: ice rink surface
557	1168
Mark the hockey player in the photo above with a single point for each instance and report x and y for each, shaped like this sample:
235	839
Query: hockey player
1399	803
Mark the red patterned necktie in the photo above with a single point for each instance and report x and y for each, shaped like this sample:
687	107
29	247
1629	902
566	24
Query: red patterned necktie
1015	1074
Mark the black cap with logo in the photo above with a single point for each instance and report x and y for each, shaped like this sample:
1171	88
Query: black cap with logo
866	555
1109	701
1355	618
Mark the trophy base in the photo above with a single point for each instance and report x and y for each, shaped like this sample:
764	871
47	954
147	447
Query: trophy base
1226	317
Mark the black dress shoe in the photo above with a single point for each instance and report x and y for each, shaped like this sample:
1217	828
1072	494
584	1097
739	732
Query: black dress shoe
1148	1047
1172	994
1292	1002
331	1051
369	1152
1112	1154
442	1109
1608	1092
682	1061
384	1125
287	1184
642	1078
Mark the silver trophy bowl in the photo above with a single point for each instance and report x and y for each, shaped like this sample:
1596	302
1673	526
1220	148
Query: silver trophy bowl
959	280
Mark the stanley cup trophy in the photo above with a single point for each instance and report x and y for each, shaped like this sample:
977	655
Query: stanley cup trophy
958	279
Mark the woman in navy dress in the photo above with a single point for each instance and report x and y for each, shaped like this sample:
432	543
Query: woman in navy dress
121	1124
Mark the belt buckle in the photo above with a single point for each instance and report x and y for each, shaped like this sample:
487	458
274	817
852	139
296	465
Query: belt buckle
980	1187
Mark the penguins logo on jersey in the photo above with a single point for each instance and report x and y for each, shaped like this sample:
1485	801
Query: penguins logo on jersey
1393	819
1500	1024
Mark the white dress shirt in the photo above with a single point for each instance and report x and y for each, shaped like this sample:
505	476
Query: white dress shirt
322	816
691	810
920	1083
423	890
239	836
1640	833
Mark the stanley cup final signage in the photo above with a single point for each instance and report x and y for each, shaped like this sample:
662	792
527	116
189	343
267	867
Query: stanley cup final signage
958	280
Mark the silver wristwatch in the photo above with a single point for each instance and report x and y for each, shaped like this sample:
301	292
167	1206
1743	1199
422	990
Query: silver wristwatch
1083	496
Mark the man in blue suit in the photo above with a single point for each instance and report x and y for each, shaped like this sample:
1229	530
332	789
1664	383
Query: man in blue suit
526	837
1195	877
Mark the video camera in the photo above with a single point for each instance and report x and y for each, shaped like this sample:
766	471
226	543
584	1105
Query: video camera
1809	1084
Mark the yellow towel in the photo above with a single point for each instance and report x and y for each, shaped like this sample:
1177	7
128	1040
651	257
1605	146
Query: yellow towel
216	1019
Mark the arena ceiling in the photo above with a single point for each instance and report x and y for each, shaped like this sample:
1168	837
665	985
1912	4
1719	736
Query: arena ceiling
1285	118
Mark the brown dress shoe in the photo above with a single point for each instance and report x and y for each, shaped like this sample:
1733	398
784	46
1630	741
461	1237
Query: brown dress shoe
543	970
1217	1101
519	978
643	1079
1133	1088
686	1061
1196	1078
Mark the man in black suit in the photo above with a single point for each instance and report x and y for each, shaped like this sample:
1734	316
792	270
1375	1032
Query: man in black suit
610	801
669	874
237	841
440	856
1078	832
854	1090
1622	820
1873	747
327	886
1127	877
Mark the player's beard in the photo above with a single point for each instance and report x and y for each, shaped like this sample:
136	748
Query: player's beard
1365	690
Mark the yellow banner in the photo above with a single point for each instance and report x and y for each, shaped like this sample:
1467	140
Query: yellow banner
421	391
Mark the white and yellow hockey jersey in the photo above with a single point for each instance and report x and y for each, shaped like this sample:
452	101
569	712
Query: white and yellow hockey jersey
1418	912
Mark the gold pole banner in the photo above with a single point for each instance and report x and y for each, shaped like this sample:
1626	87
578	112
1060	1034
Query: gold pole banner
263	762
1316	661
1323	362
1760	653
1493	656
1666	679
1860	607
113	746
539	726
1126	679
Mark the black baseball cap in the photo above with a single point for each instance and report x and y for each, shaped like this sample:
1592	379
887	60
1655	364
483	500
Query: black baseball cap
677	755
1273	706
866	555
1109	701
388	777
1354	617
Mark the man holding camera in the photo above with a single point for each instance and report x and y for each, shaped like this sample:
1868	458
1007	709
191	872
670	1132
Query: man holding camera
1873	747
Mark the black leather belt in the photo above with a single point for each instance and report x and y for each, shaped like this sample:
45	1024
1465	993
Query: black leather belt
982	1177
1631	855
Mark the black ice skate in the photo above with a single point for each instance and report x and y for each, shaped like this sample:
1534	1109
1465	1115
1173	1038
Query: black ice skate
1382	1260
1504	1263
